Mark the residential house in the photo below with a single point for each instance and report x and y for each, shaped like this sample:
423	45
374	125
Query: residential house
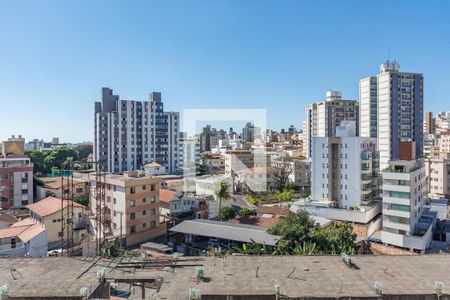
23	238
50	211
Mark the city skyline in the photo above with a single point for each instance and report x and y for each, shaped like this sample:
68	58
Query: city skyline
205	56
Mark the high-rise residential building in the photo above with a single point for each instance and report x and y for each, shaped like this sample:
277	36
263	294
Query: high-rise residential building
189	153
406	221
209	138
128	134
368	91
399	110
323	117
248	133
16	175
344	169
429	123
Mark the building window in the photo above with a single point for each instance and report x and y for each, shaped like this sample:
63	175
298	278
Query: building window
144	200
153	199
133	229
144	212
153	211
153	187
114	200
132	203
132	190
13	243
152	224
132	216
144	224
144	187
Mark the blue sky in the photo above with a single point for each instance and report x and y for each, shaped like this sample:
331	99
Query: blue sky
280	55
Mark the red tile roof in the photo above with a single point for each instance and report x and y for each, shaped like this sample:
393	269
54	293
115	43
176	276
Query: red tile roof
273	210
166	195
25	230
257	221
50	205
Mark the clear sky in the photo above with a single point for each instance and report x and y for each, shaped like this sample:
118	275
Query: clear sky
56	55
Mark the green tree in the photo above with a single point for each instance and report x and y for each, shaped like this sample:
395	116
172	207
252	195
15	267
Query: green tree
244	211
37	158
222	192
226	213
58	156
336	239
295	228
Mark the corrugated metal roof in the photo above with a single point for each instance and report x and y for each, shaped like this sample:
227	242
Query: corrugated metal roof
227	231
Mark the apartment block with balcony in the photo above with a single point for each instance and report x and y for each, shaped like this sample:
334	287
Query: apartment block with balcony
132	206
407	223
344	178
16	175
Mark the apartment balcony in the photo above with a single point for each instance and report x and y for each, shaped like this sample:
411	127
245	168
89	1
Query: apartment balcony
366	177
396	213
396	175
408	241
396	187
394	225
393	200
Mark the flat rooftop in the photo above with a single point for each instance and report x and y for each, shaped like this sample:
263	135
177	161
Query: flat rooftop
298	276
227	231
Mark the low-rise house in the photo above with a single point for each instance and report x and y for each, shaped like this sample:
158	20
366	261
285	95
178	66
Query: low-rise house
175	204
155	169
23	238
207	186
255	179
213	162
53	187
49	211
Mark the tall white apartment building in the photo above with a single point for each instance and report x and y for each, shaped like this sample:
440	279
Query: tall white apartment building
323	117
189	153
406	222
344	169
128	134
368	91
399	110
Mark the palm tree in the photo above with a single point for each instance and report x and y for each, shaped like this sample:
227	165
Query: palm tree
223	192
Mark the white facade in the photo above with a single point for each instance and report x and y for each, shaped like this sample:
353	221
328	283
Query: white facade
404	197
368	107
188	153
344	170
398	110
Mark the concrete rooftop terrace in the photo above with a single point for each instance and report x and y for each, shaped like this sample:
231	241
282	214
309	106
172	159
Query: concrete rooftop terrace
300	277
